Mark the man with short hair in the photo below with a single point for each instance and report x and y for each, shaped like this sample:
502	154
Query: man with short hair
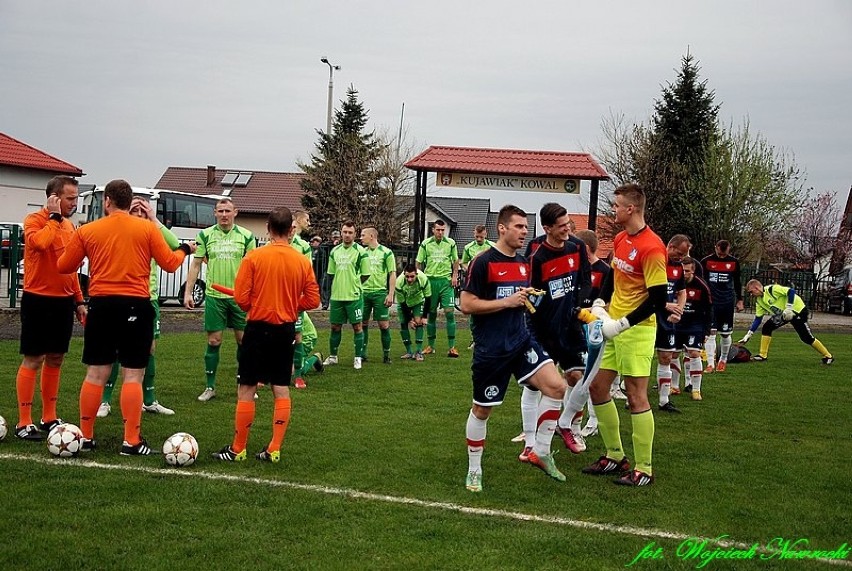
721	271
120	321
784	306
48	305
666	343
222	247
273	285
348	269
301	223
695	322
636	292
378	290
438	258
413	297
497	292
479	244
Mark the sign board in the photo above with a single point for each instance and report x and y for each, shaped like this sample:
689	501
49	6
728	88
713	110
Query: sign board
507	182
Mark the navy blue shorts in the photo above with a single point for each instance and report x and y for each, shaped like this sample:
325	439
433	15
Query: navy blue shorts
491	375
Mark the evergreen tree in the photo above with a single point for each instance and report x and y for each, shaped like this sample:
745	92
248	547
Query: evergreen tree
344	179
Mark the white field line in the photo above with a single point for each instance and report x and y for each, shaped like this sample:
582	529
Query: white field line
369	496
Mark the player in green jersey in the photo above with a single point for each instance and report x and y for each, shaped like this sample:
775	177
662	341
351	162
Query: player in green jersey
479	244
413	297
438	258
301	224
222	247
348	269
378	290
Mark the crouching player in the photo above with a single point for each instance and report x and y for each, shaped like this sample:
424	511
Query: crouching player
413	292
496	292
695	323
273	285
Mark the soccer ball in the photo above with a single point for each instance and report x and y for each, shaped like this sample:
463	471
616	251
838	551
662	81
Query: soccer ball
65	440
3	428
180	449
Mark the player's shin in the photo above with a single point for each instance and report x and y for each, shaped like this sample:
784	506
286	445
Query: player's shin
548	413
609	428
529	414
475	432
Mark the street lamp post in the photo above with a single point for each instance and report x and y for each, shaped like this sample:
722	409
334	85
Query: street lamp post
331	69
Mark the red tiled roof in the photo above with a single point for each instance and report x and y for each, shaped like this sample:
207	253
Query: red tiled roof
605	235
508	161
264	191
17	154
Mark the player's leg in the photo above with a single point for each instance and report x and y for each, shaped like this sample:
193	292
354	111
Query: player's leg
437	285
355	312
800	324
215	321
237	322
149	392
541	373
726	329
448	302
279	376
381	313
665	344
405	315
337	317
675	368
530	397
367	312
100	347
134	349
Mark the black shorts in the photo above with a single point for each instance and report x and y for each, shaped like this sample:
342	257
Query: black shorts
46	324
491	375
118	328
666	339
267	353
570	358
691	339
723	318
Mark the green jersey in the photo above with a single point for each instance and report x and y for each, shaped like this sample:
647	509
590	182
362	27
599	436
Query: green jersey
774	301
302	247
224	252
154	282
347	265
436	258
380	263
472	249
412	294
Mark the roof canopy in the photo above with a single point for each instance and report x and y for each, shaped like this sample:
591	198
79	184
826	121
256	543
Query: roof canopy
18	154
508	162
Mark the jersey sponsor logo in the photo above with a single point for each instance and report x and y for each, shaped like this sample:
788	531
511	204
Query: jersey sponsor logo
491	391
532	356
561	286
624	266
502	273
505	291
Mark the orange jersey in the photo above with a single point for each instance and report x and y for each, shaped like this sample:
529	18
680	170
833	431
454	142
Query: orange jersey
45	241
120	248
274	283
638	262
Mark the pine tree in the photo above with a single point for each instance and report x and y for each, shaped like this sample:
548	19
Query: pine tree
344	178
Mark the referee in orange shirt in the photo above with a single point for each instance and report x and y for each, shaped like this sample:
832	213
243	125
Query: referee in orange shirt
120	323
48	305
274	283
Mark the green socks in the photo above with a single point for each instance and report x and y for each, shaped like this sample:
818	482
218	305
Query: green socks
211	363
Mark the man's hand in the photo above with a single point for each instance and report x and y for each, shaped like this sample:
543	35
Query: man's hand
53	204
788	314
389	299
82	311
674	309
673	318
746	337
187	300
613	327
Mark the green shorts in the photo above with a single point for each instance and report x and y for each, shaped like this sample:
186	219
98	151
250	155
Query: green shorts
156	305
222	313
443	294
408	312
374	304
631	352
341	312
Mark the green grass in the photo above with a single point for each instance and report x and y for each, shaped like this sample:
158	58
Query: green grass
761	457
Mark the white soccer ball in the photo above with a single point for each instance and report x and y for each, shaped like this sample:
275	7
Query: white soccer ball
3	428
180	449
65	440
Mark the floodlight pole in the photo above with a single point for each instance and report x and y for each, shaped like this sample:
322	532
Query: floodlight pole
331	69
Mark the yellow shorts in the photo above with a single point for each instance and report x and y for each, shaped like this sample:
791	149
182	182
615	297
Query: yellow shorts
631	352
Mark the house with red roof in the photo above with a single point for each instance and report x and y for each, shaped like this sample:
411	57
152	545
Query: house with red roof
24	173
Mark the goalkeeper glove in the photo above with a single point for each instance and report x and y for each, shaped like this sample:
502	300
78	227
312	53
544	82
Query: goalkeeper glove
598	309
746	337
788	314
612	327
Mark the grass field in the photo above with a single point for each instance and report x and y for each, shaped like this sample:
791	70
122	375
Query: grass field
372	475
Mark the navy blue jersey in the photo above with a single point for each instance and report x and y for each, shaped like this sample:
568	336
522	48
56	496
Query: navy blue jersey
533	245
559	272
698	311
723	277
493	275
675	283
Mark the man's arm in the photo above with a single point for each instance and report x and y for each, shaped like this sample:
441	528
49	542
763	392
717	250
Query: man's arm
191	278
391	290
70	260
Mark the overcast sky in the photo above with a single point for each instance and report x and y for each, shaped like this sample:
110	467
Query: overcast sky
126	89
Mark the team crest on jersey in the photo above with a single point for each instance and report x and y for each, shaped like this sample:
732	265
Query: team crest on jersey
523	270
571	262
691	293
491	392
633	253
675	272
671	340
532	356
727	266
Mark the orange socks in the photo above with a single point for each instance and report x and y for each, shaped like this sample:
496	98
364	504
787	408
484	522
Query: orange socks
49	392
90	400
280	421
243	420
25	385
131	410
